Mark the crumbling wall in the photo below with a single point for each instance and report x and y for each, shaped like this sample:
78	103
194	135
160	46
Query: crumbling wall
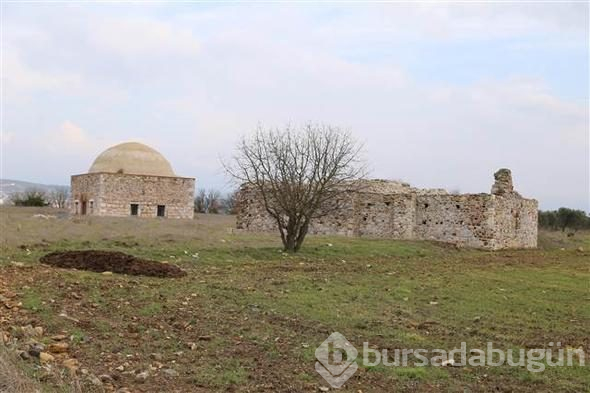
395	210
252	215
341	220
515	218
515	222
385	215
465	220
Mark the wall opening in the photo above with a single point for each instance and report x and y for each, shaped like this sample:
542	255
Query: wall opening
161	211
134	209
83	209
91	207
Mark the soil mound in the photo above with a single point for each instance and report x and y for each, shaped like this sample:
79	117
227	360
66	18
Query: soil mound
111	261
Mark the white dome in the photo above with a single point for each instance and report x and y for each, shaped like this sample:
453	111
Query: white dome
132	158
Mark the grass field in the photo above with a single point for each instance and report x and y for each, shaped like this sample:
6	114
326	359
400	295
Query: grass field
248	317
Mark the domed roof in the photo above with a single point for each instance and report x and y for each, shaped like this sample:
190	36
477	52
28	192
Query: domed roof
132	158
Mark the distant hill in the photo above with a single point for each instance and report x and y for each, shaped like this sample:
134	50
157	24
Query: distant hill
9	187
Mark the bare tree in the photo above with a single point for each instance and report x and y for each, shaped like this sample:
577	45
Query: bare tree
213	202
59	196
230	202
208	201
200	200
299	174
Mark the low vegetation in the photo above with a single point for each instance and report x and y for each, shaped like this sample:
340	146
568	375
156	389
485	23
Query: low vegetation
564	218
248	317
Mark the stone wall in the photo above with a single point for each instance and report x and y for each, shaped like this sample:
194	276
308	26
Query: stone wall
111	194
394	210
515	222
465	220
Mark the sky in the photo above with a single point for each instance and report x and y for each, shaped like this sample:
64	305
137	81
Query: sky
441	94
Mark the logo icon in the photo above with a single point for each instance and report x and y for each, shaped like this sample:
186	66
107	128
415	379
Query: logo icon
336	360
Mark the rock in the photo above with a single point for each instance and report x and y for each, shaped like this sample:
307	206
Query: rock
156	356
72	365
477	319
4	338
58	347
170	372
107	273
106	378
59	337
36	349
142	377
24	355
120	368
45	357
94	380
30	331
580	249
324	389
17	264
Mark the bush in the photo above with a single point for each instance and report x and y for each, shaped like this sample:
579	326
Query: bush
564	218
30	198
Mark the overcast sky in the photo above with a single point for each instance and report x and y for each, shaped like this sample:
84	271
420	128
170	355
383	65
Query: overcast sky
441	94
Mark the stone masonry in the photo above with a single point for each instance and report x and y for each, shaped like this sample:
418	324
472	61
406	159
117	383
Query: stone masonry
132	179
111	194
394	210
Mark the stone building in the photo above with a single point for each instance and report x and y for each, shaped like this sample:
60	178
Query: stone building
132	179
394	210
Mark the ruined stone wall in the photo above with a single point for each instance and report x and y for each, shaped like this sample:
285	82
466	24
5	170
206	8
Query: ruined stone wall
385	215
465	220
394	210
112	194
251	213
515	222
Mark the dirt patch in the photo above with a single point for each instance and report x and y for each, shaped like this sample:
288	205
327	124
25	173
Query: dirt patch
111	261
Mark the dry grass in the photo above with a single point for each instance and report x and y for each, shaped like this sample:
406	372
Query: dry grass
19	225
12	377
263	312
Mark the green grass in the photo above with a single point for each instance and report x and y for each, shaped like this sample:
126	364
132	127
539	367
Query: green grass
254	315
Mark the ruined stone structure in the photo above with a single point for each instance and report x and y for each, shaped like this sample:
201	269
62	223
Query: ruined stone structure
132	179
394	210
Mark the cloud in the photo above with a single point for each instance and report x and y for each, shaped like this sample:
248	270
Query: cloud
135	36
191	80
22	80
70	138
7	137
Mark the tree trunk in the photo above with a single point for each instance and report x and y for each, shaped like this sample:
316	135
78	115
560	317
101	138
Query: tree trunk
295	234
301	235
